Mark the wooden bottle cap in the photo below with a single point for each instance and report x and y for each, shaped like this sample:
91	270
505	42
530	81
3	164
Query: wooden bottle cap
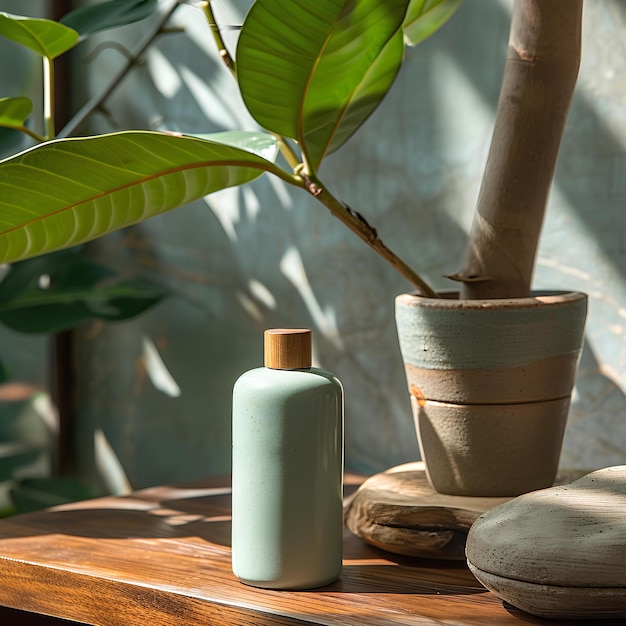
287	348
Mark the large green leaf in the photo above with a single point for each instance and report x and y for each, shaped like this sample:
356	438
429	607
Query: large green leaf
425	17
66	192
58	291
45	37
96	17
14	112
314	71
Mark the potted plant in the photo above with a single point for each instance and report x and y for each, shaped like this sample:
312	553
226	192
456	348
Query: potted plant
310	74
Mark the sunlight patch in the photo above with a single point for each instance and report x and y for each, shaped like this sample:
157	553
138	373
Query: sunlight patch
249	306
158	373
292	268
109	466
164	76
262	293
213	107
225	207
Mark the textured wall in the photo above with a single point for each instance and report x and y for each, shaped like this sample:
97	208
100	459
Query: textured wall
266	256
23	356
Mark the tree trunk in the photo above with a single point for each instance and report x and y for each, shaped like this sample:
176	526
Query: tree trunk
539	80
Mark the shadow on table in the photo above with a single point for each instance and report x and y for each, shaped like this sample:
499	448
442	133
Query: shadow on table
526	618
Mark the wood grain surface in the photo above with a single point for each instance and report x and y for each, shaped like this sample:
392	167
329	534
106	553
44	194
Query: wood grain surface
162	557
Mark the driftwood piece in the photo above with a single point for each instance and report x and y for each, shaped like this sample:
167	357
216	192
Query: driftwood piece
558	552
398	511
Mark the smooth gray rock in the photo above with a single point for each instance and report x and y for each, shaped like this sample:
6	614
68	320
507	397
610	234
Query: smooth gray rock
558	552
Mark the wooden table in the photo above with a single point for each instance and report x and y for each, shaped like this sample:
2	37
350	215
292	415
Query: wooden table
161	557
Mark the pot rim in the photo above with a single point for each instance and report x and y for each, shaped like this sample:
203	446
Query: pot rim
450	300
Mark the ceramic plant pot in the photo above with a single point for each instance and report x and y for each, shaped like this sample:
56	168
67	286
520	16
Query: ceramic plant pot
490	384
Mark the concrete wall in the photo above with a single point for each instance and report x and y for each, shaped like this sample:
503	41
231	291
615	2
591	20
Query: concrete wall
23	356
264	256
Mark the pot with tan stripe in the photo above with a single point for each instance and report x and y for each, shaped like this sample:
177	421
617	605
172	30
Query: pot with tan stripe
490	384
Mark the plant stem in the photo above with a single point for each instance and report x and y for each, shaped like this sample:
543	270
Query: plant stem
48	98
285	149
27	131
361	227
217	36
350	218
72	126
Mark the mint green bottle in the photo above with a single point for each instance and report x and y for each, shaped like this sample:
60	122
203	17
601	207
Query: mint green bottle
287	469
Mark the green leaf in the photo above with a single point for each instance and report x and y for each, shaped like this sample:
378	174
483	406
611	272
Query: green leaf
97	17
16	455
65	192
14	112
262	144
425	17
45	37
59	291
314	71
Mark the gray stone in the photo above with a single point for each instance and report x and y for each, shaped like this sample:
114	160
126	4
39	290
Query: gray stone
558	552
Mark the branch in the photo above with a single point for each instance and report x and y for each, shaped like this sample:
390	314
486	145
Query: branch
217	36
361	227
27	131
308	181
539	80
